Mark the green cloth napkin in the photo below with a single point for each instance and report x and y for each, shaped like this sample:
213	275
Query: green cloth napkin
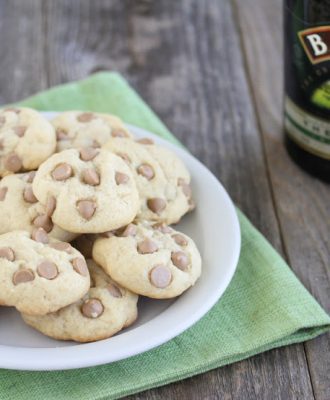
264	307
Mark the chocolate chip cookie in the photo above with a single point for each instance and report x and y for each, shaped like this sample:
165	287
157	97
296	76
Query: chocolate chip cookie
150	259
175	172
39	275
87	190
21	210
75	129
103	311
163	183
26	140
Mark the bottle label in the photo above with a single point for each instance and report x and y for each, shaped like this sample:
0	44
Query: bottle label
316	43
308	131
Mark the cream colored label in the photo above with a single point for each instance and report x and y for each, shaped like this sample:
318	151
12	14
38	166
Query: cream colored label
310	132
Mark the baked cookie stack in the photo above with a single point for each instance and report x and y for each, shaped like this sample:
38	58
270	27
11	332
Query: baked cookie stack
83	178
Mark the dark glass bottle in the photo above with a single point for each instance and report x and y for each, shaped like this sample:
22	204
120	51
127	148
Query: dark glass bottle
307	84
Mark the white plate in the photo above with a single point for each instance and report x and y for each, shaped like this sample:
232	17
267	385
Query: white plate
215	229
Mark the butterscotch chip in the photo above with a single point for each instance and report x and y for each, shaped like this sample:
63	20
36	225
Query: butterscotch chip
147	246
30	176
1	144
20	130
145	141
23	276
160	276
162	227
43	221
29	196
2	120
156	205
47	270
130	230
80	266
92	308
125	157
146	170
62	172
180	260
86	208
85	117
3	192
12	162
61	246
50	206
180	240
119	133
114	290
121	178
88	153
91	177
8	253
61	134
40	235
96	144
186	188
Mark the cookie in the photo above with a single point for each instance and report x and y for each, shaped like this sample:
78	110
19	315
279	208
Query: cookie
161	191
75	129
87	191
26	140
20	209
175	172
105	310
152	260
39	275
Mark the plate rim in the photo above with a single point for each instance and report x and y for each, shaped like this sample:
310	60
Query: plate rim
37	359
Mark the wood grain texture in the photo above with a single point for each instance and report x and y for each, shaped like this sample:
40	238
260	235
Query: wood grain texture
22	62
185	58
187	78
301	201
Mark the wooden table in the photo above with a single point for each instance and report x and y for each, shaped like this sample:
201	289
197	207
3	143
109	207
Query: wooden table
212	70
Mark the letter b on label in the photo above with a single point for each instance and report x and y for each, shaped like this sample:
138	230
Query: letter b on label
318	46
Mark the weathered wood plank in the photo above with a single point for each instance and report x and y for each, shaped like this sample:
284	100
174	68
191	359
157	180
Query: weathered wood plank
184	58
302	202
243	381
22	62
188	78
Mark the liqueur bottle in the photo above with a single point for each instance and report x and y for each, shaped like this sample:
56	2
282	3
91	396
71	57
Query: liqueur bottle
307	84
